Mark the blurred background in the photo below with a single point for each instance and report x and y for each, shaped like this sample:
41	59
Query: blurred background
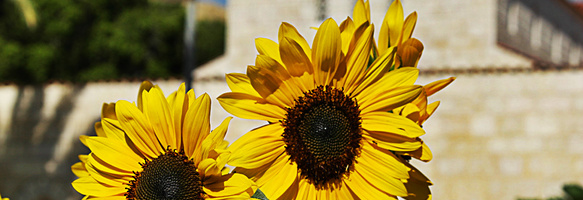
509	127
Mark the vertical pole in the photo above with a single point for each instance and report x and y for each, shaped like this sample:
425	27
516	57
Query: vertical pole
189	54
322	10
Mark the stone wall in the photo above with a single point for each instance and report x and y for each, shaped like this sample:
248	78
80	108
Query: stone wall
503	136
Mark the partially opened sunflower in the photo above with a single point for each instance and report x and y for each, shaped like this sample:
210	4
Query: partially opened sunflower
332	132
160	149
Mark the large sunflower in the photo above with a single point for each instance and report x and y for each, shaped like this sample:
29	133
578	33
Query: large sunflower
159	149
3	198
331	133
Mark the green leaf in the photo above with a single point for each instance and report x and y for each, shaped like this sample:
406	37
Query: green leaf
259	195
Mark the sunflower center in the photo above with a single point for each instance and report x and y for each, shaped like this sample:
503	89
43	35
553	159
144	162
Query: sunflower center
169	176
322	133
325	132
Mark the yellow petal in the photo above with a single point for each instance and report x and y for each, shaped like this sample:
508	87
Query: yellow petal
422	153
381	165
158	112
138	129
240	83
112	129
434	87
178	103
388	122
145	86
347	29
393	142
418	185
377	70
306	190
278	177
286	30
79	169
113	197
366	190
109	179
343	192
214	139
378	173
88	186
264	82
207	168
409	54
326	52
358	57
257	147
296	61
285	177
108	111
268	47
106	167
99	129
408	27
196	124
114	153
385	100
400	77
429	111
411	111
292	191
361	12
394	22
230	186
270	72
250	107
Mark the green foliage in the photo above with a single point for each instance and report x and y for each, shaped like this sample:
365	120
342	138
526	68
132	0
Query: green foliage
86	40
210	42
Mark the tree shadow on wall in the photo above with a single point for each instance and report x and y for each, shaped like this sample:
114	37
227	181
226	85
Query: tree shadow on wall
27	150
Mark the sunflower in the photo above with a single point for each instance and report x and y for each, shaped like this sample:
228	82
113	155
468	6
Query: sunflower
161	149
3	198
331	132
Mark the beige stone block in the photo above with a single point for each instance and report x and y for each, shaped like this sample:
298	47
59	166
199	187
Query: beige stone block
483	125
511	166
480	166
450	166
577	165
578	103
555	103
498	145
541	124
526	144
461	188
519	104
492	104
525	188
575	143
547	165
511	125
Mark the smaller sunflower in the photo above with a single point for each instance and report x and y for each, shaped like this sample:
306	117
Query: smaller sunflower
160	149
3	198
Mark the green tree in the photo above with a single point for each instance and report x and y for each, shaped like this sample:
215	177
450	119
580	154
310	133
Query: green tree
86	40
